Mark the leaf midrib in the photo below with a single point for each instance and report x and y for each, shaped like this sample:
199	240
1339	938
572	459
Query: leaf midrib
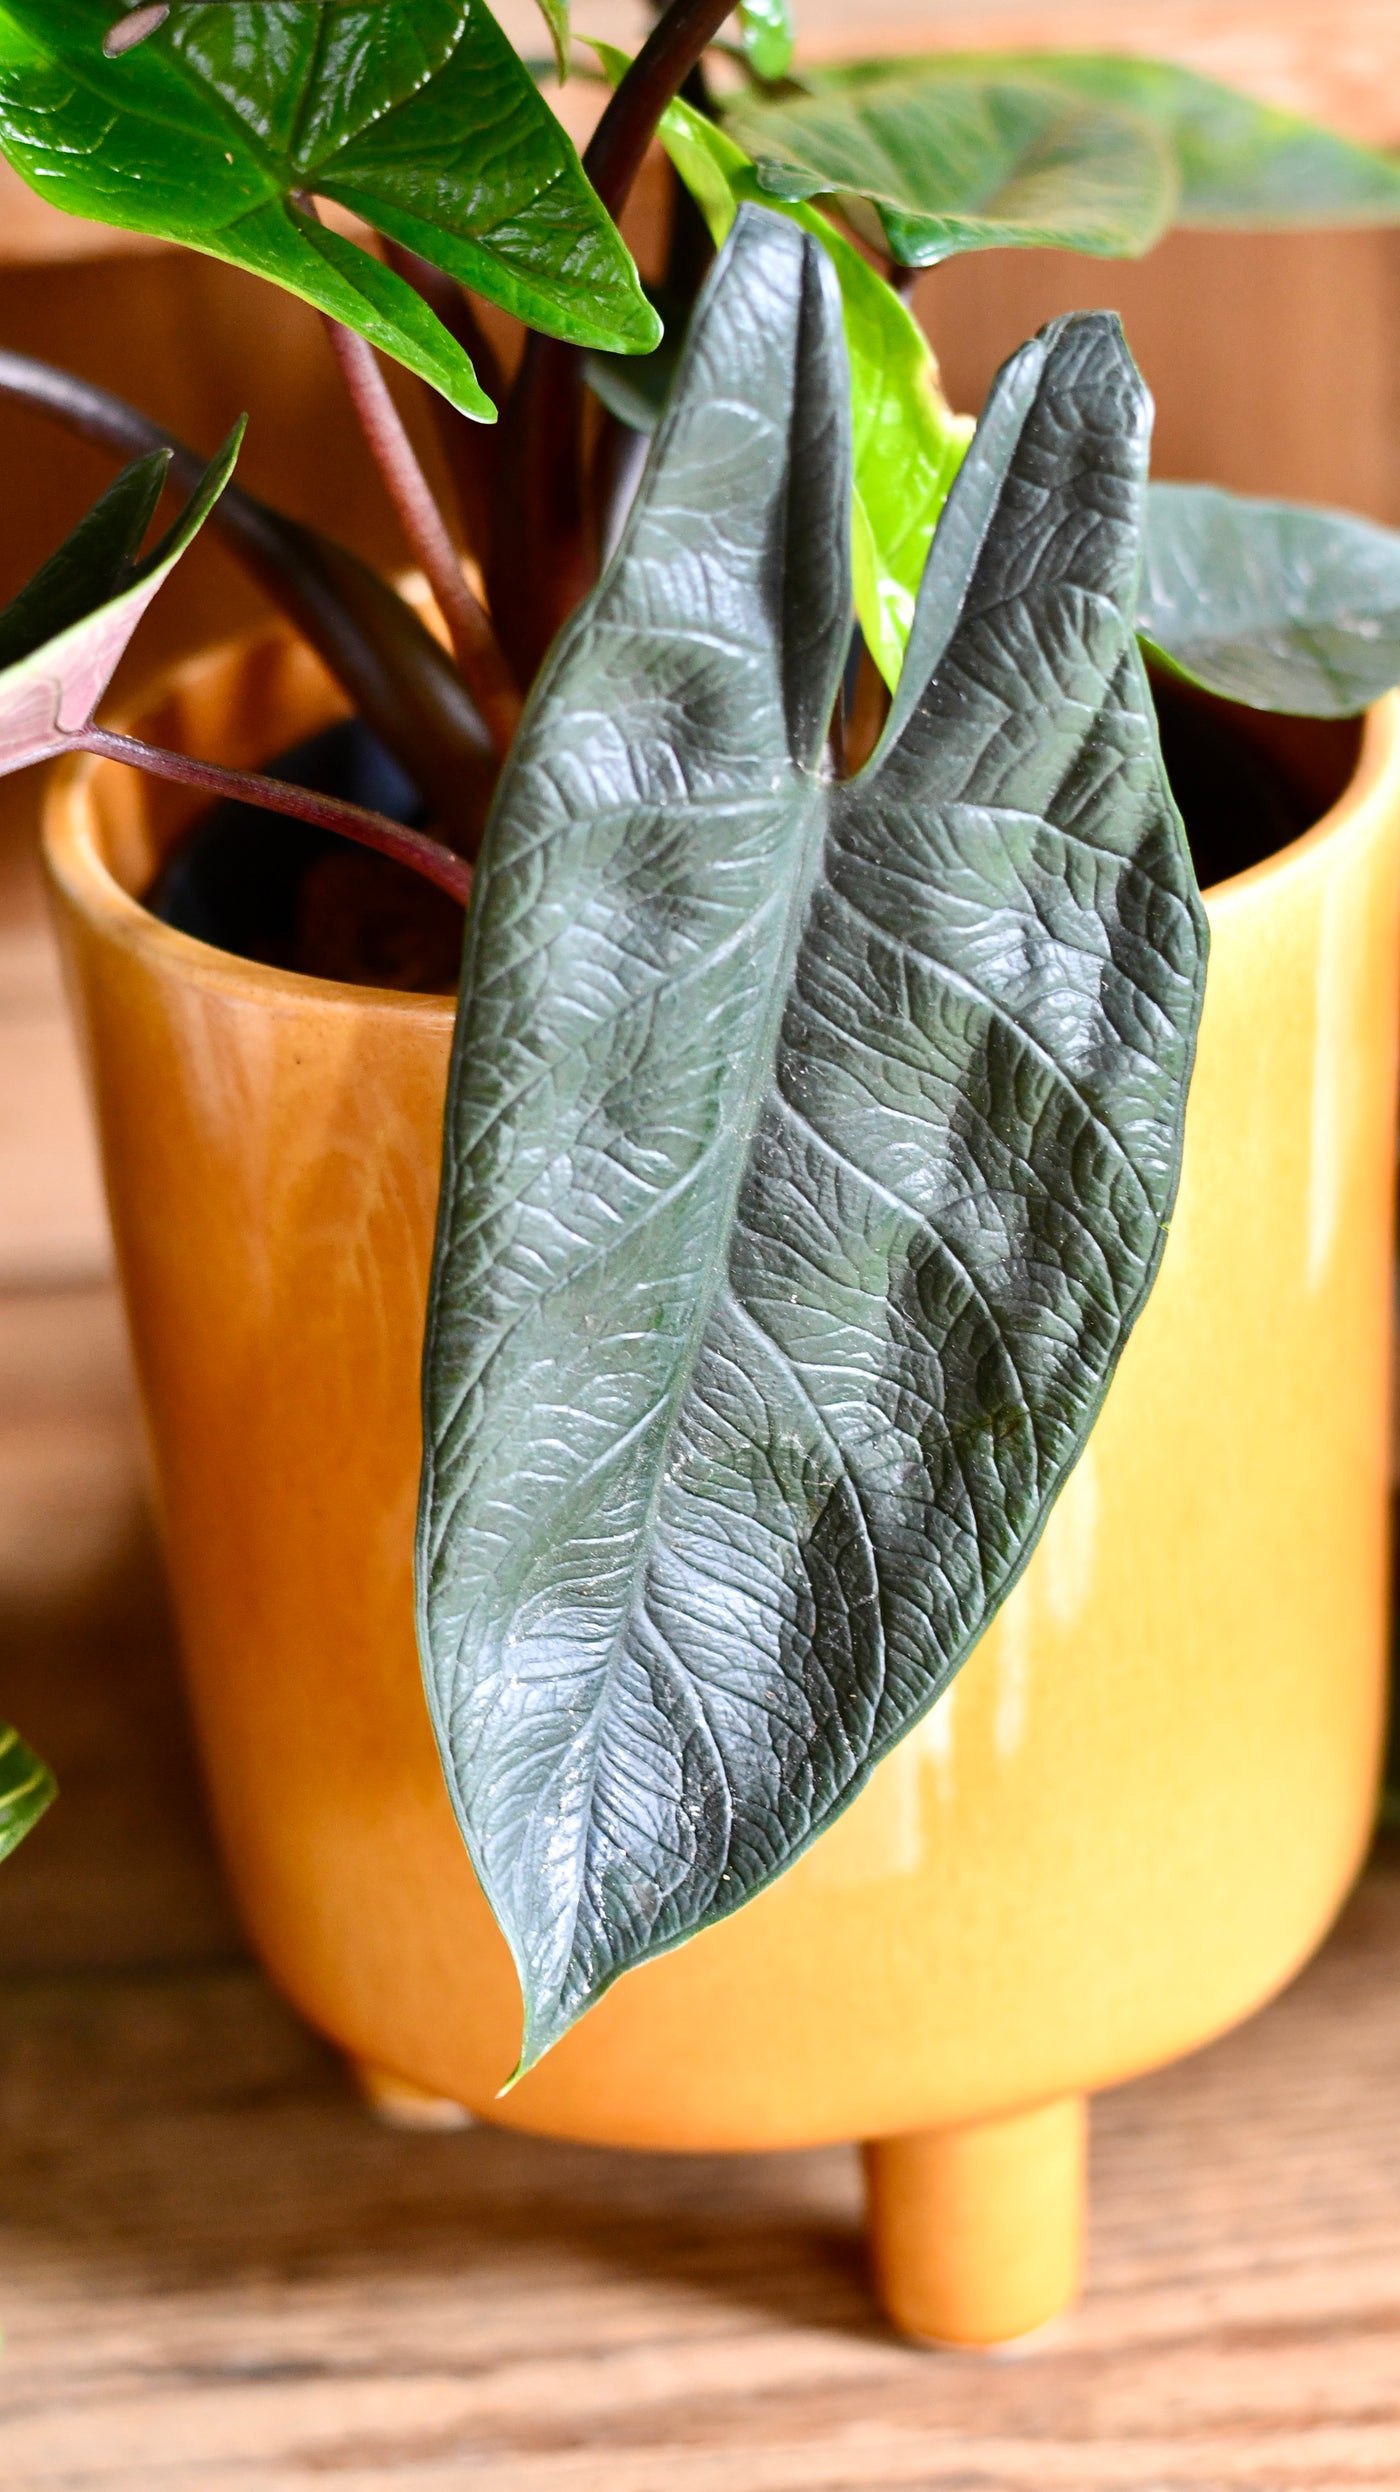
199	91
764	1054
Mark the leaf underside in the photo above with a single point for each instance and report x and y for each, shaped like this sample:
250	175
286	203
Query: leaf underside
26	1790
420	118
61	638
1239	162
809	1147
1094	152
1271	603
961	160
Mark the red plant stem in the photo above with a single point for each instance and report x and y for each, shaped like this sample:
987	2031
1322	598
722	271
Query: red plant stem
398	675
544	561
614	154
470	450
474	644
426	856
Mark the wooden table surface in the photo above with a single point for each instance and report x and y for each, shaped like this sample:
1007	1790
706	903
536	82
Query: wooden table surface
217	2272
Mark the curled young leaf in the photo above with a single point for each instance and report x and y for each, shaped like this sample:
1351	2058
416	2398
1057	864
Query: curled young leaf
61	638
1271	603
961	155
556	17
420	118
26	1789
809	1146
906	442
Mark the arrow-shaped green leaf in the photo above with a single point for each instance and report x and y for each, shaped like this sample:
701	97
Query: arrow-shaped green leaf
419	117
809	1147
26	1789
1271	603
959	156
62	637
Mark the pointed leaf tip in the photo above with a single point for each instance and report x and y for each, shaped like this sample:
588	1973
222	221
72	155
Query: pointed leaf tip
421	118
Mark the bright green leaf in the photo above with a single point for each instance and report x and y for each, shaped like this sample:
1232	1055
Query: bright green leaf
766	29
906	442
26	1789
1270	603
1240	162
419	117
959	156
810	1145
62	637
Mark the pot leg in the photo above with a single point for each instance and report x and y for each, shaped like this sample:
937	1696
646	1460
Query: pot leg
403	2105
976	2232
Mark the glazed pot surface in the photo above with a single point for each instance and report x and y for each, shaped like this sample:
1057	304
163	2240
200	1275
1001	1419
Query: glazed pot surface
1141	1803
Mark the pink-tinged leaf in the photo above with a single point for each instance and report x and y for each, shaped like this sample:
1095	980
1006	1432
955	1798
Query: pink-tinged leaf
62	638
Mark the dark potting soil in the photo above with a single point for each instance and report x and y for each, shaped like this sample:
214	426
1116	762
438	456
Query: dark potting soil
273	890
270	889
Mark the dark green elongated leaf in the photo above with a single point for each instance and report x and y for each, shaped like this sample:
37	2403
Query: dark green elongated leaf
960	157
62	637
766	31
420	117
1240	162
809	1147
1271	603
26	1789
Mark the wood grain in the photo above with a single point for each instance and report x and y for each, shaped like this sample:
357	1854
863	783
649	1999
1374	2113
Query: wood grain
122	1871
215	2270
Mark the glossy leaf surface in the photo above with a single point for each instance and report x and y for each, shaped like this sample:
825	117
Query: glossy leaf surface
906	443
419	117
959	157
1271	603
809	1146
61	638
26	1789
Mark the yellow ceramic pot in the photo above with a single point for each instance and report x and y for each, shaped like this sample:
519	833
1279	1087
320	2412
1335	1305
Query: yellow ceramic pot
1129	1822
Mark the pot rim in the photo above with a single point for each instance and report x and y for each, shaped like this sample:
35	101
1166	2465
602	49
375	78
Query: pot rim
1377	760
73	856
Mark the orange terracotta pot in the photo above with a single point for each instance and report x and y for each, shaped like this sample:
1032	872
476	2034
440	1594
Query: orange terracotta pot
1132	1818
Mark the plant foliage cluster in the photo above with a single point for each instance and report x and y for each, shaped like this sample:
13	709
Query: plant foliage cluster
834	957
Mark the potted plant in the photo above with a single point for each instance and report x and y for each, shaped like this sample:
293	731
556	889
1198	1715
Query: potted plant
815	1085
